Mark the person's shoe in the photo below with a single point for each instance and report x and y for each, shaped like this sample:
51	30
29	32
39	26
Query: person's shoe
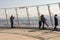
54	29
12	27
44	28
47	25
39	27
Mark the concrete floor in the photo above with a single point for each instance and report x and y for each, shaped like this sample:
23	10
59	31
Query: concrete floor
28	34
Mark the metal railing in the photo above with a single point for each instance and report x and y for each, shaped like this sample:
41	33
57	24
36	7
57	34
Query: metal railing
27	12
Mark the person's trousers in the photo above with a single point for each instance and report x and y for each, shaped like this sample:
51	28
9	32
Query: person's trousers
44	22
55	27
39	24
11	24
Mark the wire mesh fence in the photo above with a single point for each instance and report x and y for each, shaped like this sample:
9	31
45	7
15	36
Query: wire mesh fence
28	16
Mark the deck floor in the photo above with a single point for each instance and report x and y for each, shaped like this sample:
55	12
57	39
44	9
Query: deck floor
28	34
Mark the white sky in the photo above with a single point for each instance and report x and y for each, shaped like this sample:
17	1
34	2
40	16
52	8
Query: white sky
15	3
32	11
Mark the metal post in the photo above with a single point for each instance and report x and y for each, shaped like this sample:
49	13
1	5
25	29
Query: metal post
38	12
50	15
28	15
6	17
59	5
17	16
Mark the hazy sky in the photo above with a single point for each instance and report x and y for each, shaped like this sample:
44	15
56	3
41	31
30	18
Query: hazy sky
32	11
18	3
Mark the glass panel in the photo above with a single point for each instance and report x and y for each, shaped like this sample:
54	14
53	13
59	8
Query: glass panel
9	13
44	11
22	15
33	15
3	22
55	10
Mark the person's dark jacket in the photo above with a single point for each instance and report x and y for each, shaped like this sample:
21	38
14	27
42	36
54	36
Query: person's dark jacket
43	19
56	20
11	19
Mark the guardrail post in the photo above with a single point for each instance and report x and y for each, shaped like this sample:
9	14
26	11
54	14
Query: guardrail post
17	16
50	15
28	16
6	17
38	13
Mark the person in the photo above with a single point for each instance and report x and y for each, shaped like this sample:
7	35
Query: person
11	20
55	21
39	22
43	19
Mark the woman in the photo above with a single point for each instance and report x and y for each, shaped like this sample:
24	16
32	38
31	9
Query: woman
56	22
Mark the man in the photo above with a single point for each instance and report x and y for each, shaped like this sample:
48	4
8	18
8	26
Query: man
43	19
11	20
39	22
55	21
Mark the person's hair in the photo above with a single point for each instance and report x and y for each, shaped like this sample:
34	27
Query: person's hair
42	15
55	14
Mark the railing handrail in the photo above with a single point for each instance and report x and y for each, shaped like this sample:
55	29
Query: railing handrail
31	6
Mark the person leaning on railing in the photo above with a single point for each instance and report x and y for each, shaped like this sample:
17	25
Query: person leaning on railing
39	22
43	21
